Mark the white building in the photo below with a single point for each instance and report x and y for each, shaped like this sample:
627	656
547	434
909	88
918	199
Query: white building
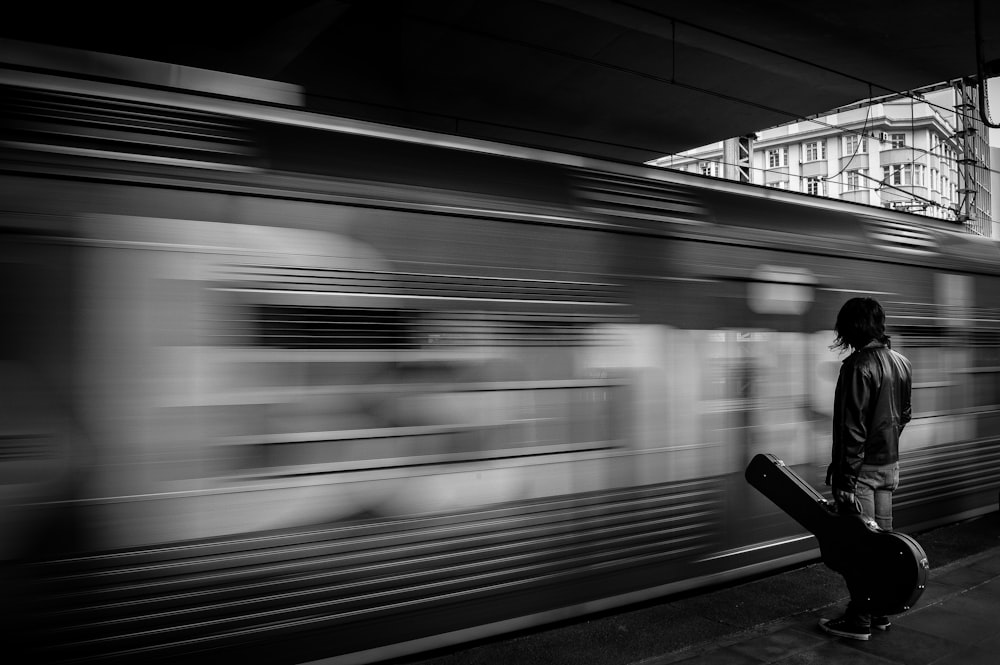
902	153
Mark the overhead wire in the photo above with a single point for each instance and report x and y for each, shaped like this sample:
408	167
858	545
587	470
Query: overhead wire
863	135
881	183
857	146
757	46
893	92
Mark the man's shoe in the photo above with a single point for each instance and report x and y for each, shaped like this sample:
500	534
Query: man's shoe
881	623
845	627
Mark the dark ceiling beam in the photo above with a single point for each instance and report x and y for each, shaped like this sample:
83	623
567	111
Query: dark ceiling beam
287	39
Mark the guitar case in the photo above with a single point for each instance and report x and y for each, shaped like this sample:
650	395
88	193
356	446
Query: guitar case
890	564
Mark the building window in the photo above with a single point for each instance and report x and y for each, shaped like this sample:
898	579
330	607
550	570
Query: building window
899	174
815	150
780	184
856	179
815	186
777	157
897	140
709	169
905	174
935	180
853	144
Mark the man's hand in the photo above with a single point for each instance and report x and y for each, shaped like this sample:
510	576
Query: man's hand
846	501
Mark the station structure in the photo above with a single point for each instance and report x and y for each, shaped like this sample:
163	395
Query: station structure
924	152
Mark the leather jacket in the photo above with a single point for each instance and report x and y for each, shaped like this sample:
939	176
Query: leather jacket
870	409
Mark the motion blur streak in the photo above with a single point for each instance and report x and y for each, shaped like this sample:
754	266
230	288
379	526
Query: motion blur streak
272	390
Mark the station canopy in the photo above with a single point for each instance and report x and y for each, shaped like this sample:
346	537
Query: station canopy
630	80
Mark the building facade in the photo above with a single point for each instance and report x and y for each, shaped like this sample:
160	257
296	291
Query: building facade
916	155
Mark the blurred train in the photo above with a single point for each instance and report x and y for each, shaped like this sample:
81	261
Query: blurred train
279	382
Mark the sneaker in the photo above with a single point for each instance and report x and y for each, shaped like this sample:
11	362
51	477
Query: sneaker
845	627
881	623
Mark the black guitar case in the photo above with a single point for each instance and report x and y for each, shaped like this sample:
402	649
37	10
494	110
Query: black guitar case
891	564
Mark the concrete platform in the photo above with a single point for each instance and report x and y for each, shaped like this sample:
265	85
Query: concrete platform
775	620
956	621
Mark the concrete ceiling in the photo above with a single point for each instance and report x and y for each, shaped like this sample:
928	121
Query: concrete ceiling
624	80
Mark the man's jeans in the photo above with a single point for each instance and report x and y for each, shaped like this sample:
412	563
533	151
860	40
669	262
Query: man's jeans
876	484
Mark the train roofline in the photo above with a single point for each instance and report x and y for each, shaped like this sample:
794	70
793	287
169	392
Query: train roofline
58	69
94	65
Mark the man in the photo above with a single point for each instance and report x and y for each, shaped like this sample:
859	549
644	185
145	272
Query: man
871	406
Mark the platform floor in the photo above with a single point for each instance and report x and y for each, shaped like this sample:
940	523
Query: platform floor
775	620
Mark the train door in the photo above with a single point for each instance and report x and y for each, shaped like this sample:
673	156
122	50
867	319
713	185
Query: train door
38	436
762	375
180	403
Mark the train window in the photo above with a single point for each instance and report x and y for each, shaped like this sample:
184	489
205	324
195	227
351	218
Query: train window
304	327
985	391
288	326
305	389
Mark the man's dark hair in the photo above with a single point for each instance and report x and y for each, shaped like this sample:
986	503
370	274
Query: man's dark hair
860	321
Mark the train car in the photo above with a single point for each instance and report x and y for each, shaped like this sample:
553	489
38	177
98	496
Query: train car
312	387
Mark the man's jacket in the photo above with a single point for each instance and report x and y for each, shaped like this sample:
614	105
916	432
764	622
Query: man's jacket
870	408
